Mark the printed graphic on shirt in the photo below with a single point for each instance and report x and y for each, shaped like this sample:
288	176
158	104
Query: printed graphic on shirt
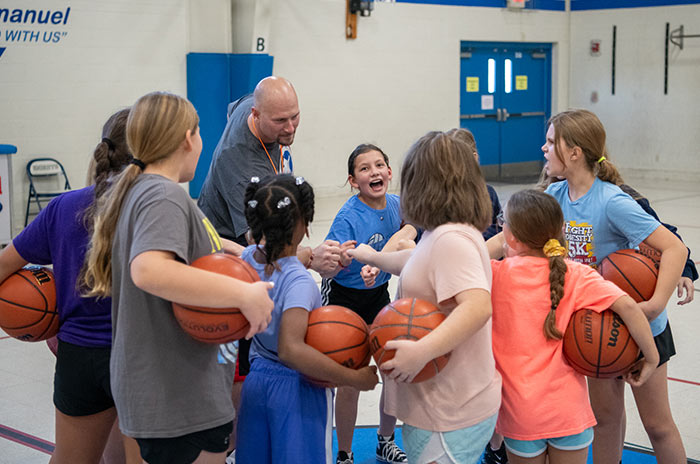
214	238
287	165
374	240
579	237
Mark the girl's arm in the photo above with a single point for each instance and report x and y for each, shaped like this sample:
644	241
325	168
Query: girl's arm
158	273
473	310
673	256
496	246
297	355
636	323
392	262
407	232
10	262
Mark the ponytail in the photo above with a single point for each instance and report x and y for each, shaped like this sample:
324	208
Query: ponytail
96	275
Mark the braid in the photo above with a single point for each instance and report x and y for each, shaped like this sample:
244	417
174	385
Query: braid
250	210
306	201
557	271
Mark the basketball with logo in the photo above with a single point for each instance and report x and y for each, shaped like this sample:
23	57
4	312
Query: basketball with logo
599	344
406	319
28	304
217	325
340	334
632	271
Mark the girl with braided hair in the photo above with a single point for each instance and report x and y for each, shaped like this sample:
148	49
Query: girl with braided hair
284	415
59	235
545	410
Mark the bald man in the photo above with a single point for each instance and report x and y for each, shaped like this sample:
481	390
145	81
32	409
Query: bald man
256	142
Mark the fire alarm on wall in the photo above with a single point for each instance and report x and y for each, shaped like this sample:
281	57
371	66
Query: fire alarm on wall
595	47
516	4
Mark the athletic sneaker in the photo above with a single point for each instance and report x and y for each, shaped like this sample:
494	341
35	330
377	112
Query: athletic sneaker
344	458
388	451
498	456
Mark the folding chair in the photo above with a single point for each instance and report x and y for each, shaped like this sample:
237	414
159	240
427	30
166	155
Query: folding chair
47	179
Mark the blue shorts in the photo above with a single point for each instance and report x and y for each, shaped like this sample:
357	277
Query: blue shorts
457	446
532	448
283	417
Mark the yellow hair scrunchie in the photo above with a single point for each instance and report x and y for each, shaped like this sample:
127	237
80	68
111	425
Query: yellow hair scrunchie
553	248
601	159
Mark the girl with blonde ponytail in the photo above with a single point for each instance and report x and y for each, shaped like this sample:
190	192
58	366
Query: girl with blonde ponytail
171	394
601	219
545	411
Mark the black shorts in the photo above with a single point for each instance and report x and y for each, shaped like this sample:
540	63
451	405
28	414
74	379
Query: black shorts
365	302
664	343
81	381
185	449
243	361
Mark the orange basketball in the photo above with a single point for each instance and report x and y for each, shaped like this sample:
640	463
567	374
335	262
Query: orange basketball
217	325
599	344
406	319
632	271
28	305
340	334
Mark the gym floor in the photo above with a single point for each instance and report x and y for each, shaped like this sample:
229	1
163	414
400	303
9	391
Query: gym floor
26	369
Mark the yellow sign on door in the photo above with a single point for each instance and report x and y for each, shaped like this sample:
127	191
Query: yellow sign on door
472	84
520	82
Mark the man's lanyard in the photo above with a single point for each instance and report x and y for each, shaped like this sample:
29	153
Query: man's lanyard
255	131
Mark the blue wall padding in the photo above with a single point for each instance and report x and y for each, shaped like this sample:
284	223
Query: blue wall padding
213	81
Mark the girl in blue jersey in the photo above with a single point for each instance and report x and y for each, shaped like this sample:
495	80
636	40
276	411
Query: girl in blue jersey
601	219
371	217
285	416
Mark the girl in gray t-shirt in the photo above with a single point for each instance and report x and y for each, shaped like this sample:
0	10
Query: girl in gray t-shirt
171	394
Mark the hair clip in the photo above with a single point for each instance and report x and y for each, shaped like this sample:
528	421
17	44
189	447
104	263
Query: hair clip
253	203
254	180
284	202
300	180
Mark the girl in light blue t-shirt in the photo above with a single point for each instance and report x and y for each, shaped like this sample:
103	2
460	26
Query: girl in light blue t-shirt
601	219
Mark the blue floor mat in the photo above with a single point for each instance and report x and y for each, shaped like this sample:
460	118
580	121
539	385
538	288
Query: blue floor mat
364	443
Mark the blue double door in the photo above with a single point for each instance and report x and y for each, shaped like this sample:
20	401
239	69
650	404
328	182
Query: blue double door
505	100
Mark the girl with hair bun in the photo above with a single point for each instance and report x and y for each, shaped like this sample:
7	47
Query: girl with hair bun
545	411
284	415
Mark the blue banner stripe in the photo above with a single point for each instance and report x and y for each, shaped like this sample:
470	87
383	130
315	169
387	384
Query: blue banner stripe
558	5
2	50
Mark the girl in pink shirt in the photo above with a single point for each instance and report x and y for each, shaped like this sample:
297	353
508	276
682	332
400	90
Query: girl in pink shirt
545	411
450	417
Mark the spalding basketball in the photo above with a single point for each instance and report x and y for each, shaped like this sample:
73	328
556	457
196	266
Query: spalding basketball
340	334
406	319
632	271
217	325
599	345
28	304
